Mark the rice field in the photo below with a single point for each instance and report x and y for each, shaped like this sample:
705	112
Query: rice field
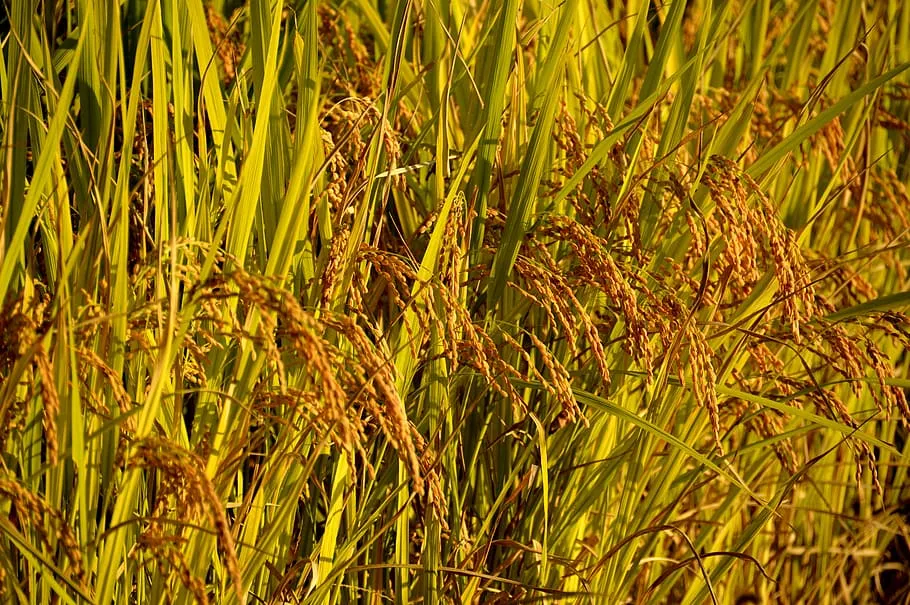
454	301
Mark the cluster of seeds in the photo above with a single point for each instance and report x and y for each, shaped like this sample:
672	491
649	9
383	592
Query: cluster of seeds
23	324
182	488
34	514
752	232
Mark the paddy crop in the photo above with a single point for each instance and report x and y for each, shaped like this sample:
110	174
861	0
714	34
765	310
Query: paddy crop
454	301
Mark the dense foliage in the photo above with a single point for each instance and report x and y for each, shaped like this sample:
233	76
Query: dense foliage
339	301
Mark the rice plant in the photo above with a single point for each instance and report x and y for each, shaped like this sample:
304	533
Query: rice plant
454	301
